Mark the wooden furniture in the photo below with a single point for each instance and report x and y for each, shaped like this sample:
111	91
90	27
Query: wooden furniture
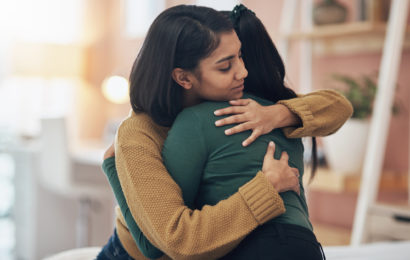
360	37
349	38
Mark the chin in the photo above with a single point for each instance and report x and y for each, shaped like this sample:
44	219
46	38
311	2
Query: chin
238	96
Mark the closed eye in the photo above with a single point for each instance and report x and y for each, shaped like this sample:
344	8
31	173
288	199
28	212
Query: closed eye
226	69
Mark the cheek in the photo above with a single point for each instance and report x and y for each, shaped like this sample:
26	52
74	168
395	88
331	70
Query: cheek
214	82
223	81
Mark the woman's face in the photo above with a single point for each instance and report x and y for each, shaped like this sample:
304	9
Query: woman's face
221	75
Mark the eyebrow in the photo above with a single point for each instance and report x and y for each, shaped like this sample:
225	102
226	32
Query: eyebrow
225	59
228	58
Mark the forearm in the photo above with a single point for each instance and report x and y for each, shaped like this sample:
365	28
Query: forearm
321	112
146	248
156	204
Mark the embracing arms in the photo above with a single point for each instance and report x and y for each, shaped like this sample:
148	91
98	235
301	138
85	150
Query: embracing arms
318	113
312	114
156	203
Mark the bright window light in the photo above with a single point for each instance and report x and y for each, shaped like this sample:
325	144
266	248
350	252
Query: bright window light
115	89
139	14
47	21
23	100
225	5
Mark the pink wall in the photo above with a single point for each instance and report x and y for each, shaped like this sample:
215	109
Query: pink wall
397	144
115	54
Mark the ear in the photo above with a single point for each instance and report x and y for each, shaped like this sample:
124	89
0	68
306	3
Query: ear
183	78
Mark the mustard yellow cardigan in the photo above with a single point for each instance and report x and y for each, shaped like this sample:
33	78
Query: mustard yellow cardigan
156	203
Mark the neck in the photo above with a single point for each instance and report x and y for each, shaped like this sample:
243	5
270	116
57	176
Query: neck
190	99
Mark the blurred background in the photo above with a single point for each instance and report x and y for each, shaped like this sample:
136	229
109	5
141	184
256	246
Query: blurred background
64	66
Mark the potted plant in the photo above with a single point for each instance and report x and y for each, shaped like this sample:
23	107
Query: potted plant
345	150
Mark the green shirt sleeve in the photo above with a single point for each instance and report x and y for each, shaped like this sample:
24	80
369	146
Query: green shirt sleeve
142	242
184	154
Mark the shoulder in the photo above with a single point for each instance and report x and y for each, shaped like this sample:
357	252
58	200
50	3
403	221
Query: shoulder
135	122
197	122
202	112
206	107
137	125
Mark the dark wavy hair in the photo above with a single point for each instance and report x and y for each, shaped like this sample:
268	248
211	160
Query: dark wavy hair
266	71
179	37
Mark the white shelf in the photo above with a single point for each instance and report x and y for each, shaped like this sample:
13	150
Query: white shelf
347	38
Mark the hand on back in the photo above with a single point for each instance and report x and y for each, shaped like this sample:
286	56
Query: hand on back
250	115
279	173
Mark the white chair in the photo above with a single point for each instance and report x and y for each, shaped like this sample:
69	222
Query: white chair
57	174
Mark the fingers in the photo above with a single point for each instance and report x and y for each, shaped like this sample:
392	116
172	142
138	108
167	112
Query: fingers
297	189
239	128
236	108
284	157
255	134
240	102
236	119
229	110
110	152
270	151
296	172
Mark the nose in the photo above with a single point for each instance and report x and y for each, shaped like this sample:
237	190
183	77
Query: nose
241	73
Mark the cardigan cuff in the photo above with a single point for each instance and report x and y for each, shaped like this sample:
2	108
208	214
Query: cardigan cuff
302	109
262	199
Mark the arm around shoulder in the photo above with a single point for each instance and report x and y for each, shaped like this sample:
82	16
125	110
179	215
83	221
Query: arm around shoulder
322	113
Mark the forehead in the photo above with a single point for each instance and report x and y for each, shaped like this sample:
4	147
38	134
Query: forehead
229	45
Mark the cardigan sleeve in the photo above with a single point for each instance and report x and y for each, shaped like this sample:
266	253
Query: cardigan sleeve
322	113
156	202
146	248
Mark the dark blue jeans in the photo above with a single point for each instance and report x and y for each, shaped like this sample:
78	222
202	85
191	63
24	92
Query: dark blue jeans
113	250
276	241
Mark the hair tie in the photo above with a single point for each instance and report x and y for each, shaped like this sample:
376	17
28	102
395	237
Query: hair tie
236	13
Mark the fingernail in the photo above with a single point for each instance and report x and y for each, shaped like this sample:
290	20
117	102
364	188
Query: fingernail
244	143
217	113
217	123
270	143
228	131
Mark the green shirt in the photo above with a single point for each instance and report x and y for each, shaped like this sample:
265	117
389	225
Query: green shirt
210	166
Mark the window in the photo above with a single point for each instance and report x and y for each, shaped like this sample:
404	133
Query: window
7	236
225	5
139	14
43	21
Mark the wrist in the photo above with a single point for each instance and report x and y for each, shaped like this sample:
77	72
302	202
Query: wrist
272	179
286	117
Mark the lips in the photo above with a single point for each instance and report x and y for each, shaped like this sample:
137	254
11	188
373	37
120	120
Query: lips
240	87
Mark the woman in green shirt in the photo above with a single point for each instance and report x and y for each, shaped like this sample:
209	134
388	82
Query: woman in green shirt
210	166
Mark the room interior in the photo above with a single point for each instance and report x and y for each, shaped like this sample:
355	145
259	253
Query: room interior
63	85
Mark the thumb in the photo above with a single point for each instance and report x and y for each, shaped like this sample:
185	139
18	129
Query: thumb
270	151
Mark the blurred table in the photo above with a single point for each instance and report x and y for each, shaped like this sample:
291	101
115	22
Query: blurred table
45	220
